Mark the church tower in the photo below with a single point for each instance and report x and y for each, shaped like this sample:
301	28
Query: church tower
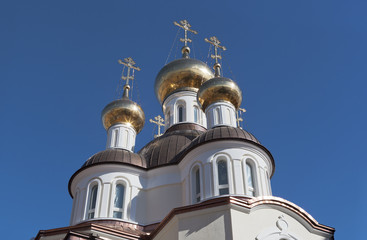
203	178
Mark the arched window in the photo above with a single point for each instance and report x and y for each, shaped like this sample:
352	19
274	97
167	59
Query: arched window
118	203
116	133
92	202
229	117
196	189
216	116
223	187
250	180
168	118
196	114
180	113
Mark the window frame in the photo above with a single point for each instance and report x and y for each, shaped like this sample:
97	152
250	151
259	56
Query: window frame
254	190
225	157
125	201
194	196
95	211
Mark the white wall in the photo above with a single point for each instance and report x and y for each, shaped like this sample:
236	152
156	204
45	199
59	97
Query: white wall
121	136
229	222
221	114
187	99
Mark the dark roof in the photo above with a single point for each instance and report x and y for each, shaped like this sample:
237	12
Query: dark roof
225	132
115	155
164	149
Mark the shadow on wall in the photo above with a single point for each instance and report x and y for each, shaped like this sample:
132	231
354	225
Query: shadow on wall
211	225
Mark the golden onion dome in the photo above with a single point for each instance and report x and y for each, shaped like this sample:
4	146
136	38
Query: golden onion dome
219	89
123	111
181	74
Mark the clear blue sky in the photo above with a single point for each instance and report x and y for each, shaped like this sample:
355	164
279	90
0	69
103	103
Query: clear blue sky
301	66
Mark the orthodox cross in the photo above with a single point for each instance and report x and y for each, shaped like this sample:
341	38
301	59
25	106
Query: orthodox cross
129	63
215	42
239	116
160	123
185	25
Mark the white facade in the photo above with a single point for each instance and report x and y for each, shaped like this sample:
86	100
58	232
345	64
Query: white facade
221	113
270	222
171	186
182	107
121	136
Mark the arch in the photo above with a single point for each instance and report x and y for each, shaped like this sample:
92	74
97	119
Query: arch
119	198
222	174
250	174
217	119
168	117
180	111
115	137
196	114
93	199
196	190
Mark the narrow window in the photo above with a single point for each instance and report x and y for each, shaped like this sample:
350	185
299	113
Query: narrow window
217	116
168	118
126	143
250	180
196	114
223	186
92	202
118	204
196	192
229	118
180	114
116	132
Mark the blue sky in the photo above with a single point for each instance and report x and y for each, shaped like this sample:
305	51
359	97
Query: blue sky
300	64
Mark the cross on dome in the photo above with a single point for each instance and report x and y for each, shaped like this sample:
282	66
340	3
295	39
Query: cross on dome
239	116
160	123
185	25
215	42
129	63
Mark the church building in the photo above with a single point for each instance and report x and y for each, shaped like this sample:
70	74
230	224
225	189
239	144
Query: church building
204	178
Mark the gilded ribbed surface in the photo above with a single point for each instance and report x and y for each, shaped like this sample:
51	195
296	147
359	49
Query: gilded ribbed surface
123	111
219	89
181	74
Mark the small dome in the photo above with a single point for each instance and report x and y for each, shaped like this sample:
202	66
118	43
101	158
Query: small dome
219	89
123	111
165	149
116	156
181	74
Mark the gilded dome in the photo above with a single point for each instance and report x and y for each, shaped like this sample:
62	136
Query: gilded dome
181	74
123	111
219	89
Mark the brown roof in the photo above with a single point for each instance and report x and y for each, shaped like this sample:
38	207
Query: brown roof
164	149
116	155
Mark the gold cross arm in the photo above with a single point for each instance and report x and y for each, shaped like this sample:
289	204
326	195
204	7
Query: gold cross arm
215	42
129	62
185	25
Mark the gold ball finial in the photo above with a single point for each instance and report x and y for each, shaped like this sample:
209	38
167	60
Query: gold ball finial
219	89
123	111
